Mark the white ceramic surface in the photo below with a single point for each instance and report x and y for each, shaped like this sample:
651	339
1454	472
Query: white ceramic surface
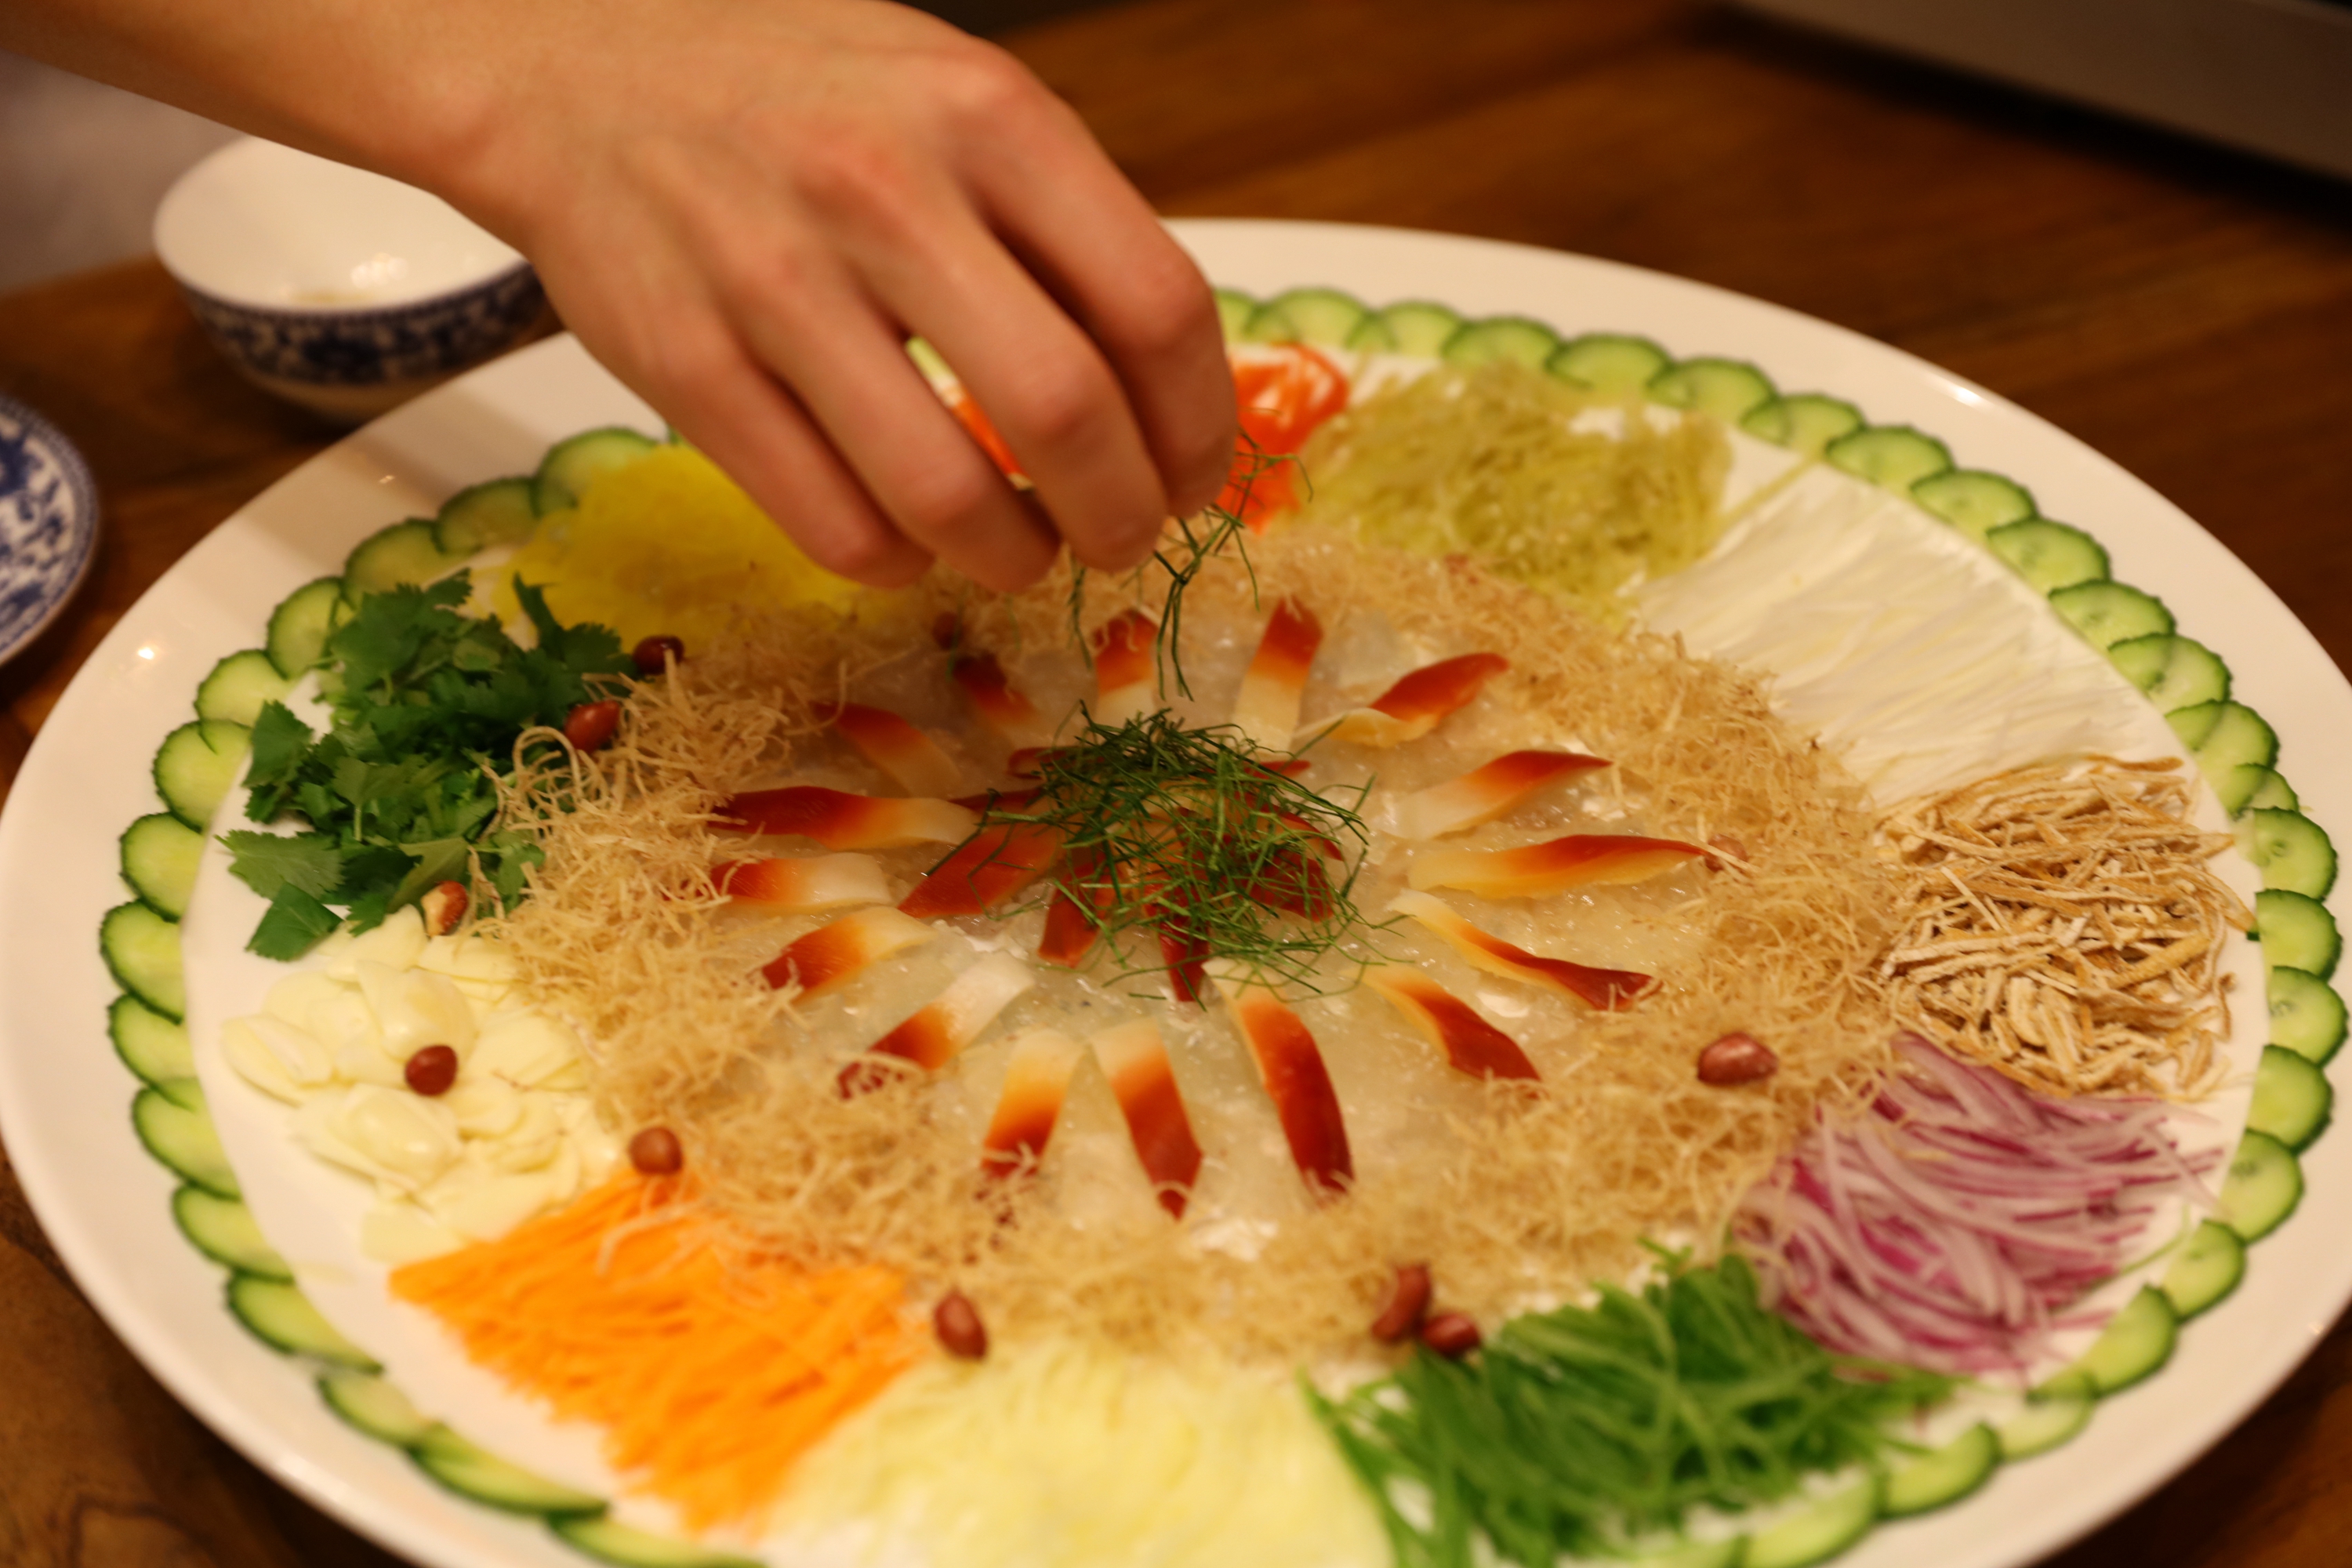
63	1098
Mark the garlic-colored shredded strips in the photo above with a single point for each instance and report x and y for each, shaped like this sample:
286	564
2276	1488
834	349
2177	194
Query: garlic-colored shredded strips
2058	923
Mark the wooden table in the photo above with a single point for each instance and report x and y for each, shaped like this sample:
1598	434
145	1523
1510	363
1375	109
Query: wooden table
2186	311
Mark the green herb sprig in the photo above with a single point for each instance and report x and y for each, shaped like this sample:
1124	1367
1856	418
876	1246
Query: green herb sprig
399	793
1579	1433
1189	830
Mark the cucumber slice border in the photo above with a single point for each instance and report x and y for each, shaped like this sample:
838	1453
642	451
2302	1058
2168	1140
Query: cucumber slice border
2275	1175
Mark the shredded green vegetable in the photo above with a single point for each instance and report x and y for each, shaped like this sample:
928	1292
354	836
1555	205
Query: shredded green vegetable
1484	462
1585	1431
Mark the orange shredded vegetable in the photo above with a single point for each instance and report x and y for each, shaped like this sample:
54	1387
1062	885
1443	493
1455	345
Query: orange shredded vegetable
710	1372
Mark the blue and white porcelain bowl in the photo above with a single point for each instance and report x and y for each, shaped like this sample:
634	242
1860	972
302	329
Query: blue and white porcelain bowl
342	290
48	524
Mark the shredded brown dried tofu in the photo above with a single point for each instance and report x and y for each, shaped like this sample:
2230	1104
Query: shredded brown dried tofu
2059	925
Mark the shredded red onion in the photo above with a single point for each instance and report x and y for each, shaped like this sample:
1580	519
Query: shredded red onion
1955	1226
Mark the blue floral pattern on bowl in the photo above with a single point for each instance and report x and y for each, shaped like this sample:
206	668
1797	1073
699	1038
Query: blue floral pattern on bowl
48	523
414	342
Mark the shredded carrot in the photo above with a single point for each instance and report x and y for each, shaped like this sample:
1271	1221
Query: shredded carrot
710	1371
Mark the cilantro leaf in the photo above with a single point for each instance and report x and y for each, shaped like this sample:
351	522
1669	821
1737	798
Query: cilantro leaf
268	861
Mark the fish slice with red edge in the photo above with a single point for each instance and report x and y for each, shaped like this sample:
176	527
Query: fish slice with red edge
840	820
990	866
1126	673
1003	707
802	885
1471	1044
1074	917
1486	791
1290	1066
936	1032
1420	702
1036	1080
912	759
831	955
1554	866
1266	709
1610	990
1143	1081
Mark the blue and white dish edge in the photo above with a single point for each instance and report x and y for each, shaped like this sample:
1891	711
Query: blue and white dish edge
48	524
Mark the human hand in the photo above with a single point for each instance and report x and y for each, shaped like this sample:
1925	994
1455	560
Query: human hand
743	210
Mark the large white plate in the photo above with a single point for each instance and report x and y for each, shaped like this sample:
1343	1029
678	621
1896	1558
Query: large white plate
63	1095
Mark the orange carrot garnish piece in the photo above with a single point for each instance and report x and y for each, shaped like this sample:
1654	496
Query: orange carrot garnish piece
931	1039
1036	1079
1290	1066
802	885
1470	1043
1610	990
1578	860
1124	667
839	820
990	866
912	759
1416	704
1135	1059
1285	391
1266	710
1485	792
831	956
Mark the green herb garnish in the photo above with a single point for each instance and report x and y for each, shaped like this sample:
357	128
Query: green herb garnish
1193	835
1581	1432
399	793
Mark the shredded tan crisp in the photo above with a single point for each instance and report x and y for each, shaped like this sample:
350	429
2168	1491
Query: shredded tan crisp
2059	924
1530	1197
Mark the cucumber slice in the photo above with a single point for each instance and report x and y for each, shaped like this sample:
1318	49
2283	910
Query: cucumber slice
2250	784
239	686
2207	1268
399	555
372	1405
2137	1341
2307	1014
1417	327
2296	932
1806	423
1269	325
197	765
159	860
2292	1097
1892	456
181	1137
1234	312
570	463
2108	613
627	1547
281	1317
2290	849
2050	555
1323	315
1609	363
299	625
2175	671
2263	1186
2044	1424
497	512
1724	1553
1976	502
152	1046
1730	389
475	1472
2224	735
225	1230
142	952
1944	1476
1819	1533
1519	338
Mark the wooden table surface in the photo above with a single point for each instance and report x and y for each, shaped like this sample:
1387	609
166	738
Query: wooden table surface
2185	310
